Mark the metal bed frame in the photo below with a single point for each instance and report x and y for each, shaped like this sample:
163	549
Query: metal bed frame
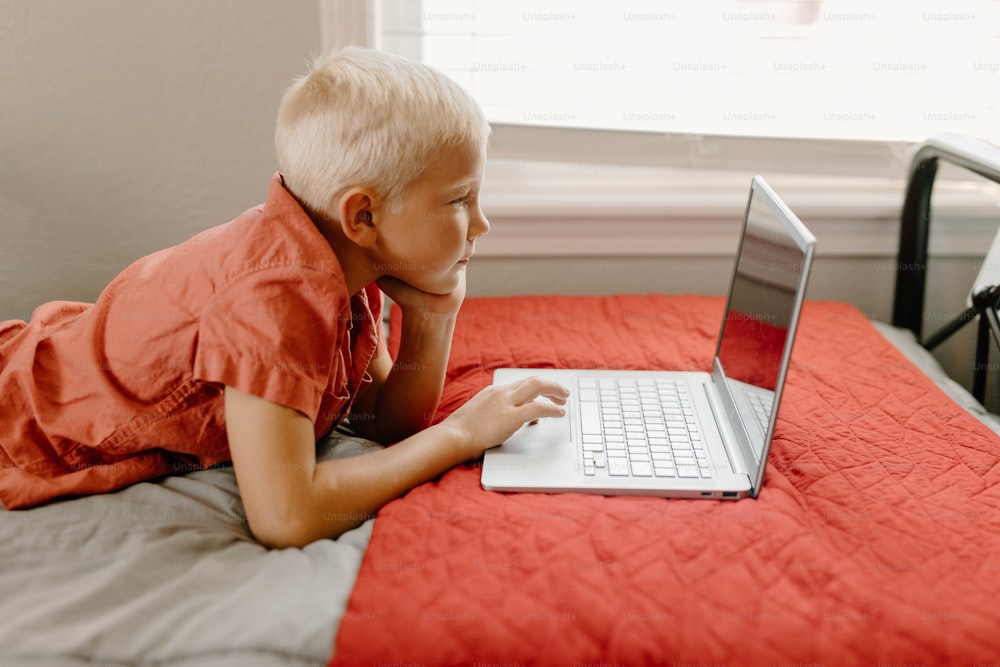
911	271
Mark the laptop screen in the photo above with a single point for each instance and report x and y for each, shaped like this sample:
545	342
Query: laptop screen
770	270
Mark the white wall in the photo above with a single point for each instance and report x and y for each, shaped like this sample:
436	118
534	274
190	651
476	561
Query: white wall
129	125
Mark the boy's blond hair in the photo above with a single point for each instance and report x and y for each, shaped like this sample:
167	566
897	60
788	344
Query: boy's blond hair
366	118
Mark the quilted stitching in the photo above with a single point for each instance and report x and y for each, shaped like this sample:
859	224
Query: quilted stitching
874	539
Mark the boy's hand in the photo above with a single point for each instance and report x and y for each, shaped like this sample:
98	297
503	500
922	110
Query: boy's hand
414	301
404	393
496	412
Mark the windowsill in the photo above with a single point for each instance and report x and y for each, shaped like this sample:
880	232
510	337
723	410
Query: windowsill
642	211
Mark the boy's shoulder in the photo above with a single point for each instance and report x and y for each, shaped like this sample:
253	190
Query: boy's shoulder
271	253
276	233
270	237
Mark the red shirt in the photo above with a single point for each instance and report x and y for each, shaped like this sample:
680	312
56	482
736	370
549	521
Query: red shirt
98	396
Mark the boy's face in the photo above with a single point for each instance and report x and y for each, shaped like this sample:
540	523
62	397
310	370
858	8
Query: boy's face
429	241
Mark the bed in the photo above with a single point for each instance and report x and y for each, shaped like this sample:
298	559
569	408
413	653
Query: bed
875	538
872	541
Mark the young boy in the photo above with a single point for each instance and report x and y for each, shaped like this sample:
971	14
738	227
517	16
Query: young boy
251	340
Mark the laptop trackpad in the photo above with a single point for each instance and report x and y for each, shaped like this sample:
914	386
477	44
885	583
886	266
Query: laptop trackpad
546	433
532	457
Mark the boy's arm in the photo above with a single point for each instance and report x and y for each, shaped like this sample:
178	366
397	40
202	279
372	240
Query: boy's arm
291	500
404	394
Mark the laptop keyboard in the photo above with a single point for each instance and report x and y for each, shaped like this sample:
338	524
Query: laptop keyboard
639	428
761	406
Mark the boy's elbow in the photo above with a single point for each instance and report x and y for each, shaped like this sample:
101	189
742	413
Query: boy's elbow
277	533
291	528
293	531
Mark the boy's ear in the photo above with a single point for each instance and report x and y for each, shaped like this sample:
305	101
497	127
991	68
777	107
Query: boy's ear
356	209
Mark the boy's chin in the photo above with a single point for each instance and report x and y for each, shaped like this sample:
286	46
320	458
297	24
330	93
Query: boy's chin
441	289
442	286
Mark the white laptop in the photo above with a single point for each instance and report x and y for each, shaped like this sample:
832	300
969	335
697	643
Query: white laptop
677	433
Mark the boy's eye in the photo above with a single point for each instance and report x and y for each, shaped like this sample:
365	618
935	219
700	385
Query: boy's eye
461	200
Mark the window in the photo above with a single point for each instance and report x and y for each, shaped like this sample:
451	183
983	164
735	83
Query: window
833	69
670	106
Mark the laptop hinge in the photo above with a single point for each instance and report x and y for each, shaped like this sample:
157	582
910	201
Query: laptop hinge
730	443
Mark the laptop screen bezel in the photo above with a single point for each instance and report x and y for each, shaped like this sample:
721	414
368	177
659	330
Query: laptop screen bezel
805	242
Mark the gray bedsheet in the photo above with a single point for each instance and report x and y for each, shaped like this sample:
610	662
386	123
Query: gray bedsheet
167	573
904	341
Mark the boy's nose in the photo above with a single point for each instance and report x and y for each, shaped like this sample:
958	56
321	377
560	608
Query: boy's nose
480	226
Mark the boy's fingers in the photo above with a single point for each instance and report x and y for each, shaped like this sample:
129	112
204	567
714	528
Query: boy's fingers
531	388
558	398
535	410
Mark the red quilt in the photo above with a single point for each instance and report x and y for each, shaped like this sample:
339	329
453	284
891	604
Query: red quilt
875	538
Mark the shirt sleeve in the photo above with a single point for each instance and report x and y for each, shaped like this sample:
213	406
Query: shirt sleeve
276	334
